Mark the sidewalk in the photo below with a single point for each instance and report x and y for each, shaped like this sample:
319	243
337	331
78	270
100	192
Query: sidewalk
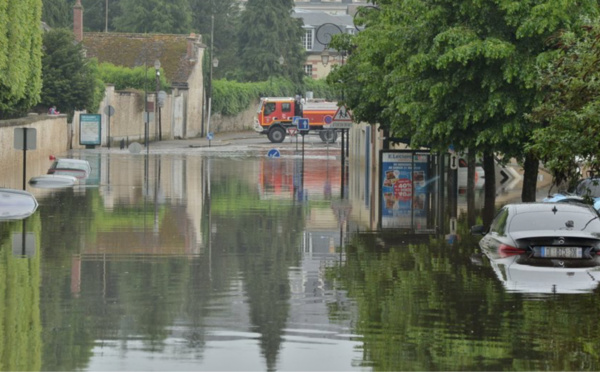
220	139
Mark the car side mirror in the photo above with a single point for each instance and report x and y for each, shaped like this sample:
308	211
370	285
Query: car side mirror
478	230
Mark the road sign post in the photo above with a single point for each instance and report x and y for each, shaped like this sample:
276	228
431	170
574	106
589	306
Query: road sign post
25	139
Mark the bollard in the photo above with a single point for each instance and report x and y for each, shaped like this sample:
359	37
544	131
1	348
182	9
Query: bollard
122	143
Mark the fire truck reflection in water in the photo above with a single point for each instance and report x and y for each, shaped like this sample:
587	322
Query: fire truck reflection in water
282	178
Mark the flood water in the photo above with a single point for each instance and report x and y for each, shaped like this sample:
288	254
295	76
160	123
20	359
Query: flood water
208	260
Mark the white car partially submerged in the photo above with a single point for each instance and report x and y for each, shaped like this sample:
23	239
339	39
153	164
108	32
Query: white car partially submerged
77	168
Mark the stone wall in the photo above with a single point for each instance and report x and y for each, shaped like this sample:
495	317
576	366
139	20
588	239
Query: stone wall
243	121
51	139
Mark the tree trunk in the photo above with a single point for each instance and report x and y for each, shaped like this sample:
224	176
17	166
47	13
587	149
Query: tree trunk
531	169
489	207
471	213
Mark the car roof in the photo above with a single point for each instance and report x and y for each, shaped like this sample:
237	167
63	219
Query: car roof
550	207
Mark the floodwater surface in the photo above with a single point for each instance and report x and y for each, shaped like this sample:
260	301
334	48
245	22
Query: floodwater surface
207	260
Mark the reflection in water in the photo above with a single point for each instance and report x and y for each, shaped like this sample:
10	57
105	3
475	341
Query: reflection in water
195	262
183	257
425	307
20	323
518	274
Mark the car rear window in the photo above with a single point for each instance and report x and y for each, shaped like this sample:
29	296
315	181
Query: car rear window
555	221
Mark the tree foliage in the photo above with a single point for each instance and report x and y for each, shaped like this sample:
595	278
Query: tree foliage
226	19
70	81
445	73
570	112
154	16
94	14
57	13
20	64
267	32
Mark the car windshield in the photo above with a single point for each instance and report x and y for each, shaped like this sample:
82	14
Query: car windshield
66	164
555	221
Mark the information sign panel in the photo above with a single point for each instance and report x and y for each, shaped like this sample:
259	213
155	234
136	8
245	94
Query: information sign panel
89	129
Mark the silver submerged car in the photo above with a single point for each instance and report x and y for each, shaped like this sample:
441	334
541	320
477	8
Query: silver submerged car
544	234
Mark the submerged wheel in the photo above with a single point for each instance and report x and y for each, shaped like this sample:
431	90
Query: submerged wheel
276	134
328	135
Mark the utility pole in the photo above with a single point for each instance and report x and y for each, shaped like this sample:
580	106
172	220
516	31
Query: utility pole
106	17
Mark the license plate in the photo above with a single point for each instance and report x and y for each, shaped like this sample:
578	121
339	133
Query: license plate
561	252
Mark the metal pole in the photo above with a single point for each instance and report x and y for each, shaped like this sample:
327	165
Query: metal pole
146	116
343	165
156	133
106	18
212	31
24	157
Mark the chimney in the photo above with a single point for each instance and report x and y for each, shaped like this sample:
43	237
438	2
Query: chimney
191	52
78	21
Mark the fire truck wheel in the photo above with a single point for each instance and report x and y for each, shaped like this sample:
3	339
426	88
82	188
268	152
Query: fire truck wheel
276	135
328	136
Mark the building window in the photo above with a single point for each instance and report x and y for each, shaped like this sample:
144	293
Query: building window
308	70
307	39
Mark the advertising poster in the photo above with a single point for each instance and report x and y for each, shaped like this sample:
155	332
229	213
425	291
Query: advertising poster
404	190
89	129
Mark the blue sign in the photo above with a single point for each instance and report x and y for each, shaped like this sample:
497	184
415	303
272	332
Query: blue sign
210	136
295	120
303	124
273	153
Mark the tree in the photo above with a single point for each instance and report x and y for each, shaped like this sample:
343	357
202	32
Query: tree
21	63
70	81
267	32
94	14
154	16
568	116
226	19
57	13
443	73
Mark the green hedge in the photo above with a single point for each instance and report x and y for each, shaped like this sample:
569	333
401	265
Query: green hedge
140	78
231	97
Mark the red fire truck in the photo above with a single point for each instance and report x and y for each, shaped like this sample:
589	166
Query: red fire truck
275	114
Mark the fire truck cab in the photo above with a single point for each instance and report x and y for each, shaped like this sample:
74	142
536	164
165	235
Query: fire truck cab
274	117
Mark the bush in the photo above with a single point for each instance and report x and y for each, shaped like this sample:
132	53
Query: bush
139	78
230	98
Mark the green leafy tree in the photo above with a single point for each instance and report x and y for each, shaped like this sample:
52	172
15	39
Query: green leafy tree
226	19
57	13
570	127
464	74
70	81
21	63
154	16
94	14
268	32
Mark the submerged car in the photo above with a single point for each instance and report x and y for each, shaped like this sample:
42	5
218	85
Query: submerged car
546	234
70	167
518	274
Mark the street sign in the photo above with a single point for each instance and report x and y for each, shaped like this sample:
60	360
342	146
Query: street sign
109	110
210	136
295	120
292	131
338	125
342	115
303	124
341	120
273	153
25	138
